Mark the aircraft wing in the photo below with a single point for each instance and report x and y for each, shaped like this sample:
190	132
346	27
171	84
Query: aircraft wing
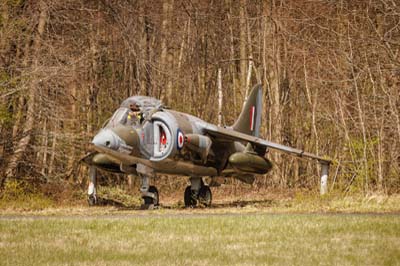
224	134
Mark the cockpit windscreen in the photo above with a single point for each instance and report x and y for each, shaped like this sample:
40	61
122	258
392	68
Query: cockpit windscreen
119	117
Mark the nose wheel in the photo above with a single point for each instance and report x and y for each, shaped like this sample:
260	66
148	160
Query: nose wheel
150	198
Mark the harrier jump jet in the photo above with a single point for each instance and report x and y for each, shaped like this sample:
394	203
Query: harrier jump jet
143	138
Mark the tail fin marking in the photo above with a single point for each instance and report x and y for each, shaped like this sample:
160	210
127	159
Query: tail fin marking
249	120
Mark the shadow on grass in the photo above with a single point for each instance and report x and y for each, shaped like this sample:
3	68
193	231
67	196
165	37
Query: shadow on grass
244	203
124	207
110	202
220	205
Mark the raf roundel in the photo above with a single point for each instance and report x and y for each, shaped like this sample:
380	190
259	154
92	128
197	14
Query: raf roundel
180	139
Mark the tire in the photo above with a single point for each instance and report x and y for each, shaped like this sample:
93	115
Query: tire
92	201
150	200
189	198
205	196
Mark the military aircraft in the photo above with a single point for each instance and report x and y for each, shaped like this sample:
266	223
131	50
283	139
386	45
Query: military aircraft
144	138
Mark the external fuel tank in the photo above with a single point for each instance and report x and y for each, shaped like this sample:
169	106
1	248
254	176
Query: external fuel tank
250	163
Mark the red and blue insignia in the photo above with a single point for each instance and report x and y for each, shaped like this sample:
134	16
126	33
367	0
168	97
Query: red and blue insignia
180	139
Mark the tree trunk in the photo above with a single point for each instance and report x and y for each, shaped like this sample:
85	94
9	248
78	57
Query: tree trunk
219	97
31	100
271	77
232	64
73	125
166	56
243	44
53	152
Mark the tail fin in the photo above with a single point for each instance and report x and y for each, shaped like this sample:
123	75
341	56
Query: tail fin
249	120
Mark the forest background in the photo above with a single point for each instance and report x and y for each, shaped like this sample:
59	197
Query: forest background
330	70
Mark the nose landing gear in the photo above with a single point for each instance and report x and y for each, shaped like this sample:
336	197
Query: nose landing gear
150	198
150	194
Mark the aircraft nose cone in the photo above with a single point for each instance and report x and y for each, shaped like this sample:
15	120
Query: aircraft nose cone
107	138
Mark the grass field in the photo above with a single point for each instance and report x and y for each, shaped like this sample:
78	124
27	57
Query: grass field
165	238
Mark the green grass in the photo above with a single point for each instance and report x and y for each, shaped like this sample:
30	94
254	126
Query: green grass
170	239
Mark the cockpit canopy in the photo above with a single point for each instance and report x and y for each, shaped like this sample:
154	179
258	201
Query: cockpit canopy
120	117
123	117
144	102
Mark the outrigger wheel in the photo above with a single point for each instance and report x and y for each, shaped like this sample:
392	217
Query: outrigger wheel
92	200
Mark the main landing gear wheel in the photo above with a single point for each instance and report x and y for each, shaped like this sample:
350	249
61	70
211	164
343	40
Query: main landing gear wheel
190	197
151	202
203	197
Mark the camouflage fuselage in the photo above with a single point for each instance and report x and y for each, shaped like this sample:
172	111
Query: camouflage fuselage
169	142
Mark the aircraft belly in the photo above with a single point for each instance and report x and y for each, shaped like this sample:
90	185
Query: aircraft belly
170	166
105	162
